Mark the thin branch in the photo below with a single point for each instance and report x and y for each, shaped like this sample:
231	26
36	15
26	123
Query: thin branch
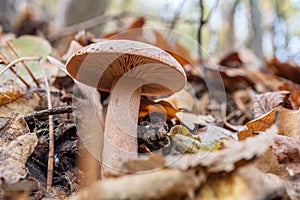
44	113
24	64
4	61
202	22
177	14
13	63
51	134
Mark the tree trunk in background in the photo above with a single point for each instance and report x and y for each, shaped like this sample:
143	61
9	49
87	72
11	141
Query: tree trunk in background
76	11
256	40
7	13
229	42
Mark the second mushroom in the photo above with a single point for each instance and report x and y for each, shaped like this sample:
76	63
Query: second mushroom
127	69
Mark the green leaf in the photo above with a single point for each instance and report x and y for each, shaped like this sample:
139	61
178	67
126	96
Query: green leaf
28	45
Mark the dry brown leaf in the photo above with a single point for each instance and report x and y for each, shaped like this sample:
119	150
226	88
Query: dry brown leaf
180	53
136	34
225	186
10	91
240	78
155	161
246	182
137	23
24	105
162	107
180	100
265	102
287	151
269	164
160	184
14	156
232	59
285	70
288	123
14	127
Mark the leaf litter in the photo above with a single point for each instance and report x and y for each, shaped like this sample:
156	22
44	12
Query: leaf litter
183	151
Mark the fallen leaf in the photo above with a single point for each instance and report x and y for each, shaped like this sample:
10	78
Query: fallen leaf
287	119
14	127
225	160
154	162
137	23
159	184
180	100
232	59
285	70
287	151
162	107
24	105
180	53
293	188
225	186
9	91
28	45
185	141
133	31
246	182
241	78
193	121
265	102
14	156
269	164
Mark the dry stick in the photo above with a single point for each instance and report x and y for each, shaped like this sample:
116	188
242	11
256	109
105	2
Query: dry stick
177	14
24	64
11	64
14	71
45	113
51	134
80	26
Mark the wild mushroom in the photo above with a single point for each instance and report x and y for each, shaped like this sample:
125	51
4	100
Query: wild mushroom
127	69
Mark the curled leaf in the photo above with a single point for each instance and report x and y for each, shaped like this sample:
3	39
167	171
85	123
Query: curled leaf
265	102
288	121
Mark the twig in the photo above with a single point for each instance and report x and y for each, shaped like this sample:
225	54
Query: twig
202	22
177	14
51	134
14	71
45	113
80	26
11	64
24	64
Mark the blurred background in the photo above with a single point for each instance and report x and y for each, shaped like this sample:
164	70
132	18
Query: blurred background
269	28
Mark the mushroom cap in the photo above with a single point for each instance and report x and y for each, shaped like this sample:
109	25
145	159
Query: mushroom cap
100	63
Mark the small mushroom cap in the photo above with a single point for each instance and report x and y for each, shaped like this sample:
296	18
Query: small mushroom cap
100	63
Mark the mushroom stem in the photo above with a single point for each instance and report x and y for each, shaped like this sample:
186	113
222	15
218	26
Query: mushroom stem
120	135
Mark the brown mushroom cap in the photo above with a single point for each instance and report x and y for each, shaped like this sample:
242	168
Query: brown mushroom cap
98	64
